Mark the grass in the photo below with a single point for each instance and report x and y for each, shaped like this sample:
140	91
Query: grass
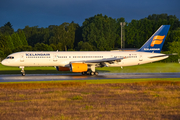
28	70
95	81
77	98
106	99
145	68
153	98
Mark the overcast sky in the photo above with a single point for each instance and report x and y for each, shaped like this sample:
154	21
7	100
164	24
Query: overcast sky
43	13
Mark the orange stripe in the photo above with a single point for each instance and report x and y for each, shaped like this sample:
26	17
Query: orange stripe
158	37
157	40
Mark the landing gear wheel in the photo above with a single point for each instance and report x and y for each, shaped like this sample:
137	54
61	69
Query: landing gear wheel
92	73
96	73
23	74
84	73
22	70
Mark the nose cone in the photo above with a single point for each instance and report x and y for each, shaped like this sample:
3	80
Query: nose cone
4	62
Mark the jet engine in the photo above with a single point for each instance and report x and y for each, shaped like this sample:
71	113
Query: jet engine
59	68
78	67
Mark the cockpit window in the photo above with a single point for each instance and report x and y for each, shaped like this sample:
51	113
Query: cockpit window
10	57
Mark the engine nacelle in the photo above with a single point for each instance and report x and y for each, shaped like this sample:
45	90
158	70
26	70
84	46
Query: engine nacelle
78	67
59	68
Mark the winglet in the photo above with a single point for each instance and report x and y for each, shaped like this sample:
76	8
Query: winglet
156	41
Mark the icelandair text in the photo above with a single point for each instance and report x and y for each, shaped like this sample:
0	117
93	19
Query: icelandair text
37	54
148	49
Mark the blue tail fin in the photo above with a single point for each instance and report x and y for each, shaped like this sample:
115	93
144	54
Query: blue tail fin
156	41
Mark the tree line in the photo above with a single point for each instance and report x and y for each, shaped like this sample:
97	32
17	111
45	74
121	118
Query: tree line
98	33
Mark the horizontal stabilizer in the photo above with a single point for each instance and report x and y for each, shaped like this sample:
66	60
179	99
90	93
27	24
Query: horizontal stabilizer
163	55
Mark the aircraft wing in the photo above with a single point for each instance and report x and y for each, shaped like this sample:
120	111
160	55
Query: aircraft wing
100	61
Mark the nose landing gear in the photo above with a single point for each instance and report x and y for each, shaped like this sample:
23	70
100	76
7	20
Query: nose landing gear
23	73
22	70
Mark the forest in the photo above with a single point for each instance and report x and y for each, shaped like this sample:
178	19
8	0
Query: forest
97	33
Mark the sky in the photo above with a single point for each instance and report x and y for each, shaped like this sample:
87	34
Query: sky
43	13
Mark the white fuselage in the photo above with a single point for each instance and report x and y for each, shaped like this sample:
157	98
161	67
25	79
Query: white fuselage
46	58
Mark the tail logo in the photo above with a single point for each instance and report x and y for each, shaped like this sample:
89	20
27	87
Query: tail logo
157	40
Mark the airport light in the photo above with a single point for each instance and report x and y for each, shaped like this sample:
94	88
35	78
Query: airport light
122	34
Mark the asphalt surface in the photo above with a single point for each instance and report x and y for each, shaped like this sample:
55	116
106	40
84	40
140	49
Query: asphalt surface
49	77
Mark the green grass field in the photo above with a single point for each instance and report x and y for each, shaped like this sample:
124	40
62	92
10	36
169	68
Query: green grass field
98	81
145	68
28	70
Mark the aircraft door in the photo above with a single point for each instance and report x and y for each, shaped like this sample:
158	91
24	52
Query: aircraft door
55	57
140	57
22	58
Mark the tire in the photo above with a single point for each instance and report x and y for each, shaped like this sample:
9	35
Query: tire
23	74
92	73
96	73
88	73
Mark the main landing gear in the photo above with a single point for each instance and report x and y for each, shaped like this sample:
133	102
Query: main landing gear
90	73
22	70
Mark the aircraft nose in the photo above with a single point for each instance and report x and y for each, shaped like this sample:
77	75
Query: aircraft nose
4	62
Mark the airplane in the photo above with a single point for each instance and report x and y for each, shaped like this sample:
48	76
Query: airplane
85	62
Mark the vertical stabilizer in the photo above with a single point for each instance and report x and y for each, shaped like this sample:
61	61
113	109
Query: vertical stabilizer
156	41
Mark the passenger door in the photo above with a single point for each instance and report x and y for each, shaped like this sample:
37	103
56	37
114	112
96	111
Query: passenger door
55	57
140	57
22	58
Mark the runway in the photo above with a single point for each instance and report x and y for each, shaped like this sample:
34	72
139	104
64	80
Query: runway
50	77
